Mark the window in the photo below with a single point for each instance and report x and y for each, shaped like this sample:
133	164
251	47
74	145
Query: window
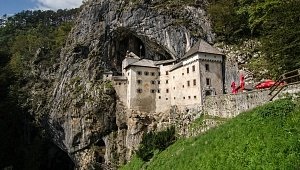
182	73
206	67
195	97
174	98
189	97
152	74
167	81
159	97
187	70
152	82
174	88
167	99
182	86
120	84
146	73
128	73
167	73
188	83
208	93
167	90
139	81
139	73
152	90
194	82
183	97
158	90
207	81
158	82
158	73
139	90
173	77
193	68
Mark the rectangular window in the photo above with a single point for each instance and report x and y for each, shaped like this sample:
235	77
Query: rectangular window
152	74
152	90
139	73
158	90
193	68
188	83
206	67
183	97
187	70
139	90
146	73
167	90
153	82
167	73
139	81
167	99
194	82
159	97
158	73
183	74
207	81
167	81
195	97
189	97
158	82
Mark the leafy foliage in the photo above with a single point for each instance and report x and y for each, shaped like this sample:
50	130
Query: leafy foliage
21	37
273	22
153	141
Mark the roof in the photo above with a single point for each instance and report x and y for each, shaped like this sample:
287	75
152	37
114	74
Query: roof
202	47
177	66
164	61
143	63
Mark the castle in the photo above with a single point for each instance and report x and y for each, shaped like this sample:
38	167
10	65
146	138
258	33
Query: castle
155	86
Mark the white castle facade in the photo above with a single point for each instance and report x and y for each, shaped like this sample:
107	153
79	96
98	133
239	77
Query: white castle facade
155	86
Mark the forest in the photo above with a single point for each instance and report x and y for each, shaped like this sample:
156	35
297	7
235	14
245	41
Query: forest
274	23
23	145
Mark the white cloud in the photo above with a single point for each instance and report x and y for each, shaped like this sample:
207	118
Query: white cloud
57	4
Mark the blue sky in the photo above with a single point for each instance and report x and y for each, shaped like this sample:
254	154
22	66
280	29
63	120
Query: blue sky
14	6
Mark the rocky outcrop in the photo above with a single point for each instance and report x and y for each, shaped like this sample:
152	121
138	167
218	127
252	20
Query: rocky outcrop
79	109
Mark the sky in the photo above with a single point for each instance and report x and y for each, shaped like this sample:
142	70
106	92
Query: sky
14	6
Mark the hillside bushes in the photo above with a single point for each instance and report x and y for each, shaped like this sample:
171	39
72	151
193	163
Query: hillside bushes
264	138
153	141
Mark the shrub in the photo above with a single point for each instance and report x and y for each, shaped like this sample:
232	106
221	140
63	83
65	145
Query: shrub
153	141
277	108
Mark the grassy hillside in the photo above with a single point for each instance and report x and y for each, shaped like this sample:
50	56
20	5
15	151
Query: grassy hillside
267	137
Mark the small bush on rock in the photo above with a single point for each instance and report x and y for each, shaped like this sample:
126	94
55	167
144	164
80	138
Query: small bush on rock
153	141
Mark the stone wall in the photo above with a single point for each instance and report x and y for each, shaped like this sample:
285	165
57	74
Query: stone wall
230	105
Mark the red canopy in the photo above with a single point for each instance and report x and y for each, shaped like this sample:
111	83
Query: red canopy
265	84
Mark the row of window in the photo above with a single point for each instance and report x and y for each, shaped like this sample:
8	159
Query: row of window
194	68
189	97
208	82
146	73
151	90
152	81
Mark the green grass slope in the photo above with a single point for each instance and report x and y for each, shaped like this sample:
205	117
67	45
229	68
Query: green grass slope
267	137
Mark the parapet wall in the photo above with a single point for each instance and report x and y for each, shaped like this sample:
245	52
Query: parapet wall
230	105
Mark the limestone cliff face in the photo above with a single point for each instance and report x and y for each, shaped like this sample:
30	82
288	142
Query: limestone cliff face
80	110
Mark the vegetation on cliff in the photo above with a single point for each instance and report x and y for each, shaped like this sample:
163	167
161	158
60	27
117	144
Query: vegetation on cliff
265	138
274	23
23	145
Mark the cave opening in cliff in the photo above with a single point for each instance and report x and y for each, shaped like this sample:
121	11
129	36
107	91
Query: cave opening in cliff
123	40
